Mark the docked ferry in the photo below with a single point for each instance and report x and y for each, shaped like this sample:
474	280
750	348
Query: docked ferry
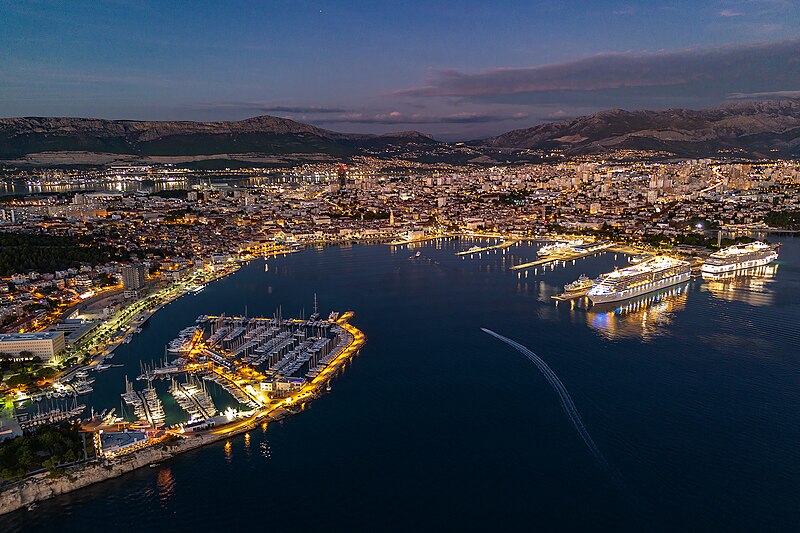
558	247
641	278
739	257
582	284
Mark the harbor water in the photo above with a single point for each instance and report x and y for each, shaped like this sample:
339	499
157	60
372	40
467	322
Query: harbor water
690	397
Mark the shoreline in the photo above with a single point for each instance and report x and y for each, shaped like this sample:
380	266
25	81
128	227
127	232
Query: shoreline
40	487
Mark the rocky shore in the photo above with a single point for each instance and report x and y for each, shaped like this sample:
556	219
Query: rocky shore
42	486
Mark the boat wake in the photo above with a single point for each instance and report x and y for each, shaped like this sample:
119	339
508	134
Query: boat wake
563	396
572	413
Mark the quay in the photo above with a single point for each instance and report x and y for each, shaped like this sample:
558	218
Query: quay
92	351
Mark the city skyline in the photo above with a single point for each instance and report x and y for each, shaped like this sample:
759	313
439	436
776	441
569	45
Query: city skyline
404	266
456	73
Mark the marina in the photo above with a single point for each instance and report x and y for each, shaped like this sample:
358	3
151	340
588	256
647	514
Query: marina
55	413
279	348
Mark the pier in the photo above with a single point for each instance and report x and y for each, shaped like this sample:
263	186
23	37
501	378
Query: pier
566	296
558	258
193	398
581	252
419	240
146	404
501	246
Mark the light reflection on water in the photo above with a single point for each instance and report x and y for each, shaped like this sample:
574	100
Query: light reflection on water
22	187
264	450
647	316
17	187
751	286
165	482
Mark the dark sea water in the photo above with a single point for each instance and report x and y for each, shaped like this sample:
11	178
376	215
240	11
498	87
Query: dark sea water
691	396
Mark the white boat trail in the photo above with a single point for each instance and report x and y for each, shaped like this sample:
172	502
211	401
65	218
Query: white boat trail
563	396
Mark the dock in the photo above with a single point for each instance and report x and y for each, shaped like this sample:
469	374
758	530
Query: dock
581	252
556	258
419	240
566	296
501	246
193	398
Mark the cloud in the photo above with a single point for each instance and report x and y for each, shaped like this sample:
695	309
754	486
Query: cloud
730	13
397	117
765	95
703	73
304	110
759	7
268	108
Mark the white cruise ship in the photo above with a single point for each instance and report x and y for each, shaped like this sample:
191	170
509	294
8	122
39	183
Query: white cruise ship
558	247
641	278
739	257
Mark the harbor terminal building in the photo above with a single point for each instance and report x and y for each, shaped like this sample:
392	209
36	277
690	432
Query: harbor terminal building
44	344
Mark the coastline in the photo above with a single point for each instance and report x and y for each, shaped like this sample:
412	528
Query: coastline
40	487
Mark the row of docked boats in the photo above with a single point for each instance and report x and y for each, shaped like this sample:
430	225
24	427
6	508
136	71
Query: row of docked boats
183	342
145	403
55	414
193	398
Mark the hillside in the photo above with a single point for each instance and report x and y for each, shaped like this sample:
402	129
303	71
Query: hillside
33	139
756	129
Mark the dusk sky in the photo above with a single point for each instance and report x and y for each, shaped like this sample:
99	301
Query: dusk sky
457	70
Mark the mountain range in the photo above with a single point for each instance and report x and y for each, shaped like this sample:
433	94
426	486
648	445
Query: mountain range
759	129
261	139
765	129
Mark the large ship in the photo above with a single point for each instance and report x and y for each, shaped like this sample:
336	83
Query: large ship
558	247
641	278
739	257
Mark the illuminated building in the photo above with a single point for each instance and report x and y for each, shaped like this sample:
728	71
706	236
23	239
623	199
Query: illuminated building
44	344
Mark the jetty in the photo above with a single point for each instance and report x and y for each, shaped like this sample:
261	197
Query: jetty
478	250
146	404
193	398
566	296
577	252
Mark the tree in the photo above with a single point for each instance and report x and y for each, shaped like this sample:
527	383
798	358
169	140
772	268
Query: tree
18	380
